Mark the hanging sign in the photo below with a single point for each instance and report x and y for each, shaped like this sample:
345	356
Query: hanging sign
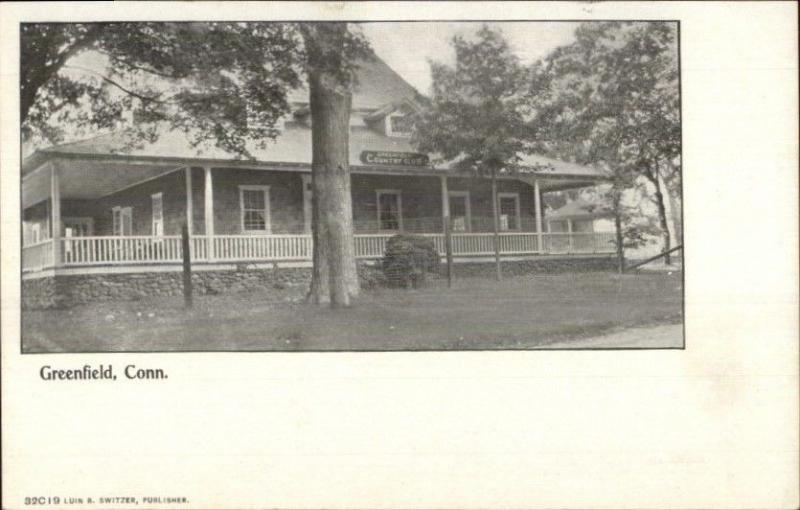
394	158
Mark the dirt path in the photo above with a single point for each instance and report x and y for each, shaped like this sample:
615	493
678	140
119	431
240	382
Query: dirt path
670	335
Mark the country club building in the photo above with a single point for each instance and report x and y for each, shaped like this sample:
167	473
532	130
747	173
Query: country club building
95	213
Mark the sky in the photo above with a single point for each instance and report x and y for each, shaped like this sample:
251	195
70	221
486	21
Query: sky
407	47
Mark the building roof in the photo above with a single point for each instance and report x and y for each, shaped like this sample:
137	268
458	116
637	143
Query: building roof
581	208
376	86
378	89
293	146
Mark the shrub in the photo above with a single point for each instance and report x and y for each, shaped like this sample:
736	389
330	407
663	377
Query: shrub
370	277
408	259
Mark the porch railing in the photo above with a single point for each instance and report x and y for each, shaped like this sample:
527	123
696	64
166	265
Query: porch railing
96	250
83	251
37	256
273	247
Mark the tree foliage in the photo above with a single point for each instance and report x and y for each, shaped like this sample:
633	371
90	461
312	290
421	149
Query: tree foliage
611	96
224	83
476	114
611	99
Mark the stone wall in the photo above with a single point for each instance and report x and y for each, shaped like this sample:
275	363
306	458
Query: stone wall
69	290
534	266
39	293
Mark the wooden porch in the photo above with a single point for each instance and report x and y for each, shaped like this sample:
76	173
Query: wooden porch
132	250
54	181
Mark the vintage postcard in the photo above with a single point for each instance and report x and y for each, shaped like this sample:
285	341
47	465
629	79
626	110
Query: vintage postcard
364	255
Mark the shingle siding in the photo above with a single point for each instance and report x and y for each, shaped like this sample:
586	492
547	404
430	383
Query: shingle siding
285	196
173	189
421	202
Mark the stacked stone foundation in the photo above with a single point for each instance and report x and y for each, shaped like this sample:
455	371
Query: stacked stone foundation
65	291
68	290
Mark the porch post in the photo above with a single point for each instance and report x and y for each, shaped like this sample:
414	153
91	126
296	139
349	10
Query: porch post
189	206
445	200
55	213
537	201
569	230
209	212
448	238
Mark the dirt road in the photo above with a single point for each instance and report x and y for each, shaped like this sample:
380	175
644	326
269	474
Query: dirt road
670	335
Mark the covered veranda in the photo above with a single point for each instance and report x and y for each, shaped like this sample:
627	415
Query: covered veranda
52	181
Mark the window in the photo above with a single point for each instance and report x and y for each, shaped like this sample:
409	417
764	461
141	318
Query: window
254	203
460	216
122	221
509	211
398	125
35	234
158	214
582	226
390	210
78	226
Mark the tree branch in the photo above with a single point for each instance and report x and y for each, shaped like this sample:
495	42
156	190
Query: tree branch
108	80
131	65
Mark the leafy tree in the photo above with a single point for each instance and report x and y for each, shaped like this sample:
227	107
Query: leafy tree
476	115
611	99
202	78
220	83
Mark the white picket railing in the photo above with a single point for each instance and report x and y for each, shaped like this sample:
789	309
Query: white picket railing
37	256
84	251
272	247
96	250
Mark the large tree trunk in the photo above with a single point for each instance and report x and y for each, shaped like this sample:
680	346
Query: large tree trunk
350	268
330	101
617	205
319	291
662	217
495	215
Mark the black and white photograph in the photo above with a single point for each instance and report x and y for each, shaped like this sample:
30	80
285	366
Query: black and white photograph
399	255
350	186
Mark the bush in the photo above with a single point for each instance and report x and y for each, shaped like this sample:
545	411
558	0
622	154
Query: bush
370	277
408	259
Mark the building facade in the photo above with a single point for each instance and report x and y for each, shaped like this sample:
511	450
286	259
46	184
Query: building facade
94	208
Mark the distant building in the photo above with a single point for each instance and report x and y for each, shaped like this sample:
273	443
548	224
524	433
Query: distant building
581	216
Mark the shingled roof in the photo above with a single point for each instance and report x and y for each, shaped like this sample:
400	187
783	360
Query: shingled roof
378	87
581	208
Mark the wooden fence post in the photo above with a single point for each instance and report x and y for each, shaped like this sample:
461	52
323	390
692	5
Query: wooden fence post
187	267
448	249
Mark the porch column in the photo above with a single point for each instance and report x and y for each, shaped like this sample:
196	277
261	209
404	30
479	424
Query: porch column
189	206
537	202
445	203
55	213
569	230
209	211
448	239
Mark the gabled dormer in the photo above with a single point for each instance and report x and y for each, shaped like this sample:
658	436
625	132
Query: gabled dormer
394	119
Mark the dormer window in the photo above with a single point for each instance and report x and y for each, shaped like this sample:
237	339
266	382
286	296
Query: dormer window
398	124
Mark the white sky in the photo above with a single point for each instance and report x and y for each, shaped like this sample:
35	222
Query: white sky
407	47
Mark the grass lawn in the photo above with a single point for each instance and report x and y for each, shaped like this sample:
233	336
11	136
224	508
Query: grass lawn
520	313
